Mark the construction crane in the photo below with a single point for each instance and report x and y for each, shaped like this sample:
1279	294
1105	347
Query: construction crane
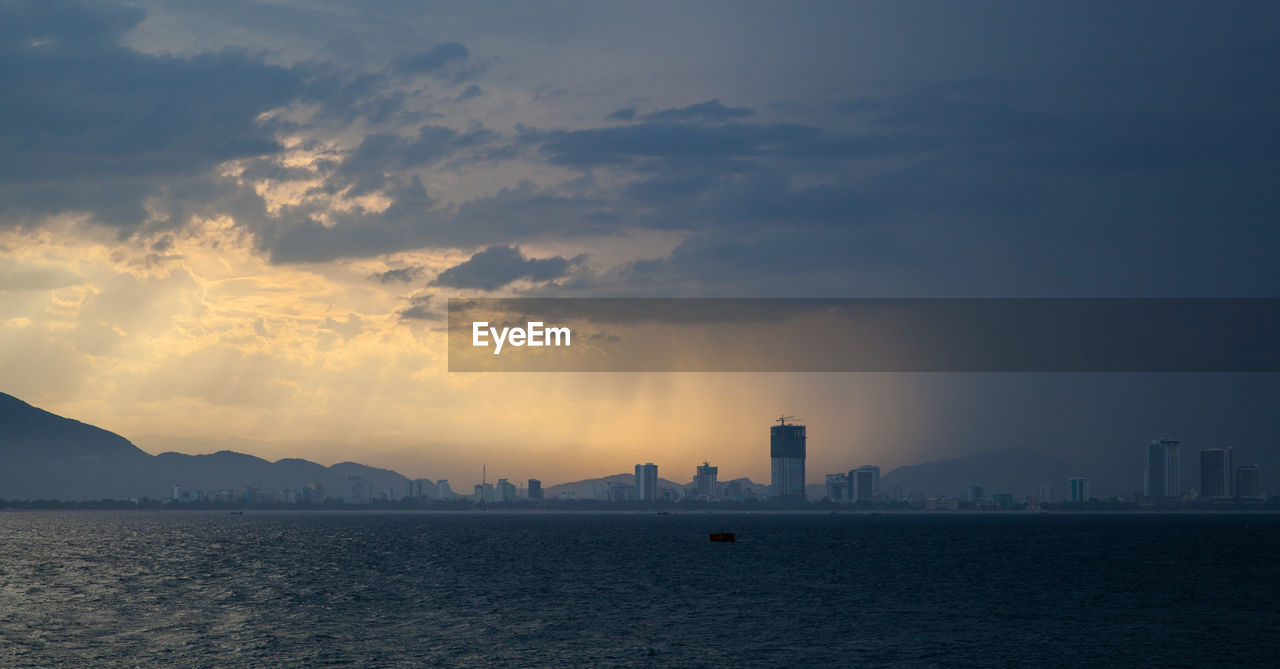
782	420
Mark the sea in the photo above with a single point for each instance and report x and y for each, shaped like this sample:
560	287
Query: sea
403	589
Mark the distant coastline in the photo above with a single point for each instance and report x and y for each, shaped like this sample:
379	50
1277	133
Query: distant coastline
604	507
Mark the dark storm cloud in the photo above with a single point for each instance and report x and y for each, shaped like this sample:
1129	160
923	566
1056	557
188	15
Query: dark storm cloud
1055	173
529	210
398	275
963	162
381	154
694	142
711	110
420	309
433	59
347	96
298	235
90	125
498	266
995	131
414	220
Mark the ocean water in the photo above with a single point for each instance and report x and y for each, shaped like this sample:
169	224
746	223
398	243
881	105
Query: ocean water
95	588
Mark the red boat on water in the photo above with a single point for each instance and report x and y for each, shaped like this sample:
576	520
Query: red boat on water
723	536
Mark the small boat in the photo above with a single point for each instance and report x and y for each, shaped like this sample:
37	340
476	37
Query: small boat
237	513
723	536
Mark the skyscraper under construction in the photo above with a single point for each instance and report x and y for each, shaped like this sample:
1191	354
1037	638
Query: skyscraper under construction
786	453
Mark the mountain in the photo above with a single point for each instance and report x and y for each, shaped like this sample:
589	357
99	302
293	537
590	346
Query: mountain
591	488
233	471
33	436
43	455
1013	470
46	456
760	490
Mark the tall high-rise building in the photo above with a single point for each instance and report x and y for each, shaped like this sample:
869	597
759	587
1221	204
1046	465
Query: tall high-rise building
786	454
1248	482
1079	488
1164	469
864	483
646	488
704	482
443	491
1215	473
484	493
535	489
505	491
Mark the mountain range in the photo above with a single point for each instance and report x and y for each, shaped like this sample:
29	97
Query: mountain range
46	456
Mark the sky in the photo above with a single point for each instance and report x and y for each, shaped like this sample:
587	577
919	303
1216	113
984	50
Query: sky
237	224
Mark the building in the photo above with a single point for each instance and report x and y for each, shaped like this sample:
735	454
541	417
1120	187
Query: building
1079	486
314	492
704	482
646	489
443	491
974	494
422	488
864	483
787	454
1046	493
505	491
1164	469
1248	480
838	487
535	489
359	491
484	493
1215	473
941	504
621	492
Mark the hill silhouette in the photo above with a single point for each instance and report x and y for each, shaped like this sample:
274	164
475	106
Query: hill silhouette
1010	470
46	456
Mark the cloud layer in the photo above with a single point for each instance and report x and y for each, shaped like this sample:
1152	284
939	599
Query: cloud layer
498	266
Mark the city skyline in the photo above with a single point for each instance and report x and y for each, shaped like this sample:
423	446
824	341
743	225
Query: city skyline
1220	477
